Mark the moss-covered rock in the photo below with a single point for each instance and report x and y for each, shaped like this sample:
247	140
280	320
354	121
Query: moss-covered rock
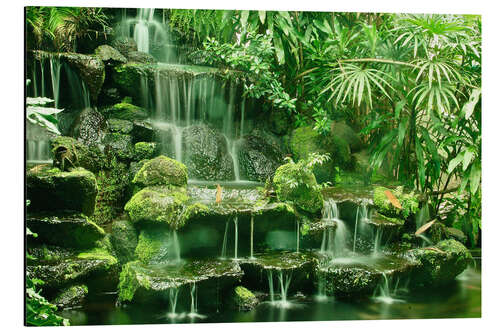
110	55
82	268
160	205
89	127
440	264
50	189
409	202
343	131
306	195
124	45
124	240
142	283
145	150
140	57
71	296
205	153
120	126
120	145
154	245
126	77
161	170
90	68
244	299
126	111
142	131
305	140
70	153
65	229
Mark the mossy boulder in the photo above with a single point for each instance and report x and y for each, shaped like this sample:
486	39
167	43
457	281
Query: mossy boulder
409	202
120	126
89	127
120	145
142	131
65	229
154	245
205	153
109	55
126	77
124	240
145	150
439	264
305	140
141	57
58	272
71	297
124	45
158	205
126	111
50	189
161	170
244	299
306	195
90	68
345	132
70	153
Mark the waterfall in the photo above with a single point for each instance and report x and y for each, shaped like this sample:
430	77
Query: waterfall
271	285
224	242
383	293
55	75
141	30
284	280
176	250
377	242
172	300
236	238
334	242
321	296
251	238
298	235
194	309
361	218
42	68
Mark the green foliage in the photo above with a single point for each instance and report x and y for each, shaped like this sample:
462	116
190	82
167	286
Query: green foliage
59	28
38	113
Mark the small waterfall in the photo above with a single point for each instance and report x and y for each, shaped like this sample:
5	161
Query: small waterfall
327	241
334	242
176	249
361	218
251	238
42	68
236	238
55	75
321	296
141	30
271	285
224	242
377	241
340	240
172	300
384	294
284	279
298	235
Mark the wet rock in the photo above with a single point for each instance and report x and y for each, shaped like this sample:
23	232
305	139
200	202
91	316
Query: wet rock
305	195
124	45
71	297
120	126
161	171
109	55
244	299
259	157
70	153
154	245
90	68
141	283
109	96
206	154
159	205
142	131
439	264
299	267
140	57
126	111
66	229
120	145
89	127
124	240
51	189
305	140
409	202
84	267
145	150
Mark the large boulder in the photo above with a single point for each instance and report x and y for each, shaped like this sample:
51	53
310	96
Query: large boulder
120	126
343	131
440	264
259	157
298	185
127	77
110	55
145	151
206	154
124	240
70	153
66	229
161	170
90	68
121	145
305	140
89	127
51	189
124	45
158	205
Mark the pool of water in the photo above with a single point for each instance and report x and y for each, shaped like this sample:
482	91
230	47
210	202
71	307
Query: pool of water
461	299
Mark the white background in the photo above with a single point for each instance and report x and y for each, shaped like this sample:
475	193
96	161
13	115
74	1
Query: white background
12	159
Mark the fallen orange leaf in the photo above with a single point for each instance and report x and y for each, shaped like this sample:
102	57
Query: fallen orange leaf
218	195
394	201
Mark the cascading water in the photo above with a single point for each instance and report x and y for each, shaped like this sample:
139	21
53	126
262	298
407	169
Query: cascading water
284	279
334	242
377	242
172	300
384	293
55	75
362	216
175	249
236	238
271	285
224	242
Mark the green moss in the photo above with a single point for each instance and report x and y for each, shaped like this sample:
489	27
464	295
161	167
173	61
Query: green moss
161	170
298	186
409	202
126	111
158	205
70	153
99	254
153	245
124	240
72	296
195	210
244	298
128	284
145	150
120	126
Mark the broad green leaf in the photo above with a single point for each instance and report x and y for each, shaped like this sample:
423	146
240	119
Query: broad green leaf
456	161
475	177
402	130
468	108
468	155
